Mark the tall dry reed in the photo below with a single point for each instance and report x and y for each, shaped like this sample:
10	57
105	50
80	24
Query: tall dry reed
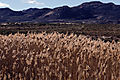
57	56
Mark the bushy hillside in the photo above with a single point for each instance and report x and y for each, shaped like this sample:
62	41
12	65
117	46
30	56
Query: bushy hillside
57	56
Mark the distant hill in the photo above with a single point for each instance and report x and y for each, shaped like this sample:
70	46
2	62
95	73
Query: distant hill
89	12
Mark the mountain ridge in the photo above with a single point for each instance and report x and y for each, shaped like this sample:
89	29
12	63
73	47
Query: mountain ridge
88	12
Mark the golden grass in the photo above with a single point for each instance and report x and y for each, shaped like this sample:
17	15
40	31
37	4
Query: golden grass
57	56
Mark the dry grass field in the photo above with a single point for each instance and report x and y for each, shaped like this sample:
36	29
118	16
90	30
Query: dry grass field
55	56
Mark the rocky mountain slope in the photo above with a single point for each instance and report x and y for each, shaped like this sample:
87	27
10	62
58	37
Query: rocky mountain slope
89	12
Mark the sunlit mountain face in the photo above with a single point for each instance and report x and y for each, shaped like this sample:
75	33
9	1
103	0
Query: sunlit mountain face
94	11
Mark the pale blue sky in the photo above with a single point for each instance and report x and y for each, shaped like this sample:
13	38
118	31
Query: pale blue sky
25	4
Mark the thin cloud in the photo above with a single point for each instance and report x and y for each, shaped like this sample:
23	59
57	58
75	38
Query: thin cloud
4	5
34	2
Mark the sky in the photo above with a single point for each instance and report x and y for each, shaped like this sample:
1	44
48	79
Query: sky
25	4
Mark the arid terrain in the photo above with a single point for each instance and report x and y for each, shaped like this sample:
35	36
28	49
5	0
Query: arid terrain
106	32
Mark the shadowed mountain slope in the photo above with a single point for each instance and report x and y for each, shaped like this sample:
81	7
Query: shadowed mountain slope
89	12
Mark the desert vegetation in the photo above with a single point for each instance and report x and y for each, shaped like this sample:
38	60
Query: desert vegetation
107	32
58	56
